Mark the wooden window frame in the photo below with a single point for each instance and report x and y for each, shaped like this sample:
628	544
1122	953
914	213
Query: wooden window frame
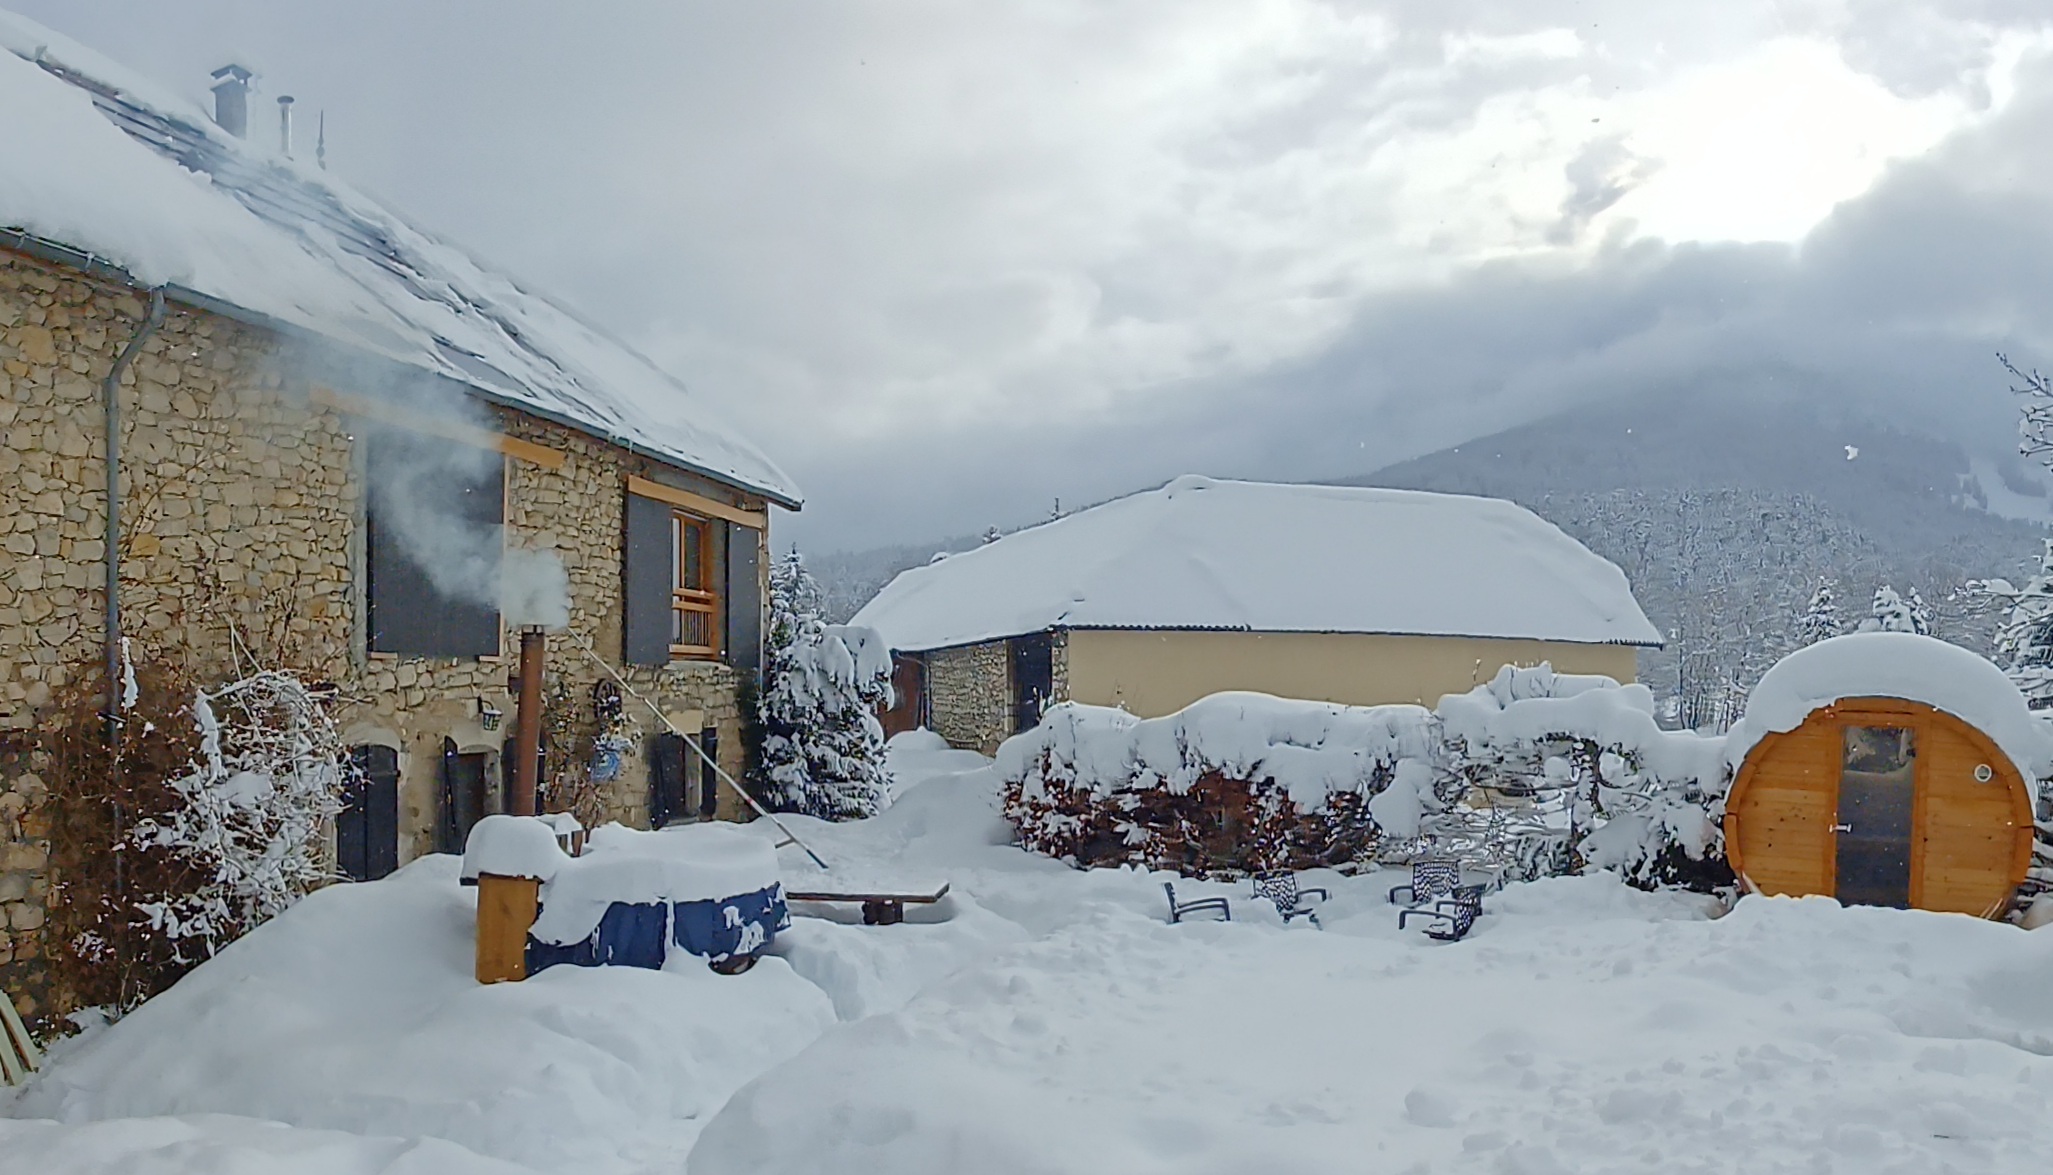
693	601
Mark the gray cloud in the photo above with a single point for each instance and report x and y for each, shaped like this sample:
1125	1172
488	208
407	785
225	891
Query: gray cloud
952	261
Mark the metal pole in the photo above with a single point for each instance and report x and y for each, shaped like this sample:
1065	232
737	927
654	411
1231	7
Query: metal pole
527	724
790	837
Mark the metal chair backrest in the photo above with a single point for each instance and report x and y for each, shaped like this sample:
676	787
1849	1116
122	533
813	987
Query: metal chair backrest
1434	877
1279	887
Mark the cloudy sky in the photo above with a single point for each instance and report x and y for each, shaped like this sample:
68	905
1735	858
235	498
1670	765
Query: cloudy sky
950	261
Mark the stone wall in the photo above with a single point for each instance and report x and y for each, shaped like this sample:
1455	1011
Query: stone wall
242	515
969	694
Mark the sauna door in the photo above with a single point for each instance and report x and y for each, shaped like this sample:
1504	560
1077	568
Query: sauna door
1877	796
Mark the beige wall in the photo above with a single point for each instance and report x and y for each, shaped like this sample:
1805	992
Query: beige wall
1157	673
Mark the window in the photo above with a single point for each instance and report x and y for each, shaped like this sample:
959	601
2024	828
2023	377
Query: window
694	605
691	579
433	537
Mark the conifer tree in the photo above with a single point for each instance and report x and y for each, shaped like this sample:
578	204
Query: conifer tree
2024	643
1820	619
823	748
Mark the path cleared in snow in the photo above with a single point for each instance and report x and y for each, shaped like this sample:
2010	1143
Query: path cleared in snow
1042	1020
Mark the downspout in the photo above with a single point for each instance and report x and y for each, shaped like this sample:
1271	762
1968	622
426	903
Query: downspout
110	390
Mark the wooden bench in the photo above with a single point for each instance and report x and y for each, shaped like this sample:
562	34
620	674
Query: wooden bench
879	909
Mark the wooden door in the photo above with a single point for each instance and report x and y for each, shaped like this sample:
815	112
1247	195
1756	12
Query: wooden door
1033	678
1974	822
463	795
1778	822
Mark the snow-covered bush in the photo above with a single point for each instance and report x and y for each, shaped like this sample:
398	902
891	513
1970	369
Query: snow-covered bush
251	813
823	748
1559	773
1236	782
1535	773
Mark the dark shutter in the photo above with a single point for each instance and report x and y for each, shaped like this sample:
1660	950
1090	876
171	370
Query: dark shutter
666	779
709	780
744	600
645	588
367	831
406	613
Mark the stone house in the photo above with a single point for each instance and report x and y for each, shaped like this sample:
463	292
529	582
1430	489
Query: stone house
1339	594
330	430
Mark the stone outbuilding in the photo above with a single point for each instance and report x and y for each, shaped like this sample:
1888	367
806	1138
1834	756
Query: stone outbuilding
1338	594
335	436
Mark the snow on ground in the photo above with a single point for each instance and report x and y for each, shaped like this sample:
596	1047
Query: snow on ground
1042	1019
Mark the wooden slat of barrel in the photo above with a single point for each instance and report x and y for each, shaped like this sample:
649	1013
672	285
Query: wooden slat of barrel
1969	829
506	910
1783	813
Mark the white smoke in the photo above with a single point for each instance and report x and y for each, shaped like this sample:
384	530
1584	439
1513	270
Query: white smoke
464	556
534	589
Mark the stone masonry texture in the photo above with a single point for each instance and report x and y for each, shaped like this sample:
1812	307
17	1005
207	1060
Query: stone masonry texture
242	508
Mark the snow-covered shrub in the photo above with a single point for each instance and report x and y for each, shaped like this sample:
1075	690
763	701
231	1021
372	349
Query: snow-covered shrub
251	813
822	745
1535	773
1559	773
1236	782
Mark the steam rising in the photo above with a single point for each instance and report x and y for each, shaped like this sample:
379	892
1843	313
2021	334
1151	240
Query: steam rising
438	500
534	589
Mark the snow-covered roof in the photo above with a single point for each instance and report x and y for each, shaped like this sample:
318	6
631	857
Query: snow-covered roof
103	164
1895	665
1252	556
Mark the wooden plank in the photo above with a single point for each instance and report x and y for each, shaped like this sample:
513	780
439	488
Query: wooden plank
697	503
18	1055
1964	846
507	907
434	426
918	898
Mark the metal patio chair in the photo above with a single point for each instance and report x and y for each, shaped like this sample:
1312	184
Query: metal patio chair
1196	905
1280	887
1451	917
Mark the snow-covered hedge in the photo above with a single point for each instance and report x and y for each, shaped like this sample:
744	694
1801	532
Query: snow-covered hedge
1535	772
1235	782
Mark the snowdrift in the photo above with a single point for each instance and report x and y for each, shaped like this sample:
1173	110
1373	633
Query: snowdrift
356	1011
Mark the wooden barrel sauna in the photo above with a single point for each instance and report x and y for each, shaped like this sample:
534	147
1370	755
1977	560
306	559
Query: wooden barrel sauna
1886	802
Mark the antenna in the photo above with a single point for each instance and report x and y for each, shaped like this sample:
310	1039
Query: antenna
321	140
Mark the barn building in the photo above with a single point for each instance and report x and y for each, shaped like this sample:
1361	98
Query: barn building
1339	594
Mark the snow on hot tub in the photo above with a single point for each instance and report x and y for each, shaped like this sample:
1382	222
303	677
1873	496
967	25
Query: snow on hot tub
710	890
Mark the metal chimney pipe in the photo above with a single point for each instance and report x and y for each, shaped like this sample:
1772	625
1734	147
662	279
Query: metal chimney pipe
527	725
285	125
231	99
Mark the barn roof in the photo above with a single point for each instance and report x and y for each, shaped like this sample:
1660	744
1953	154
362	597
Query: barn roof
111	174
1895	665
1251	556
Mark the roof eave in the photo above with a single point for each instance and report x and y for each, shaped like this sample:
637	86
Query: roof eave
1461	636
93	265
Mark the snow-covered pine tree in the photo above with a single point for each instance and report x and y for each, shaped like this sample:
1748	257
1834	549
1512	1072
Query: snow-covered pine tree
1920	613
823	748
1820	619
1892	613
2024	643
